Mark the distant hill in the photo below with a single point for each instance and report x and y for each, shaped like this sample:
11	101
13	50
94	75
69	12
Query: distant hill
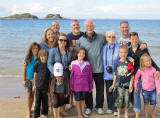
20	16
54	16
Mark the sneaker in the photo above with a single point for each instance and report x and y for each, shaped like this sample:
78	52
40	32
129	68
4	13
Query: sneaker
109	111
100	111
115	114
88	111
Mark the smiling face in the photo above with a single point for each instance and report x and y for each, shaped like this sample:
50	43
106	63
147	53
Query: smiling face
89	27
75	27
123	53
124	28
35	50
50	35
55	27
81	55
62	41
43	59
110	37
134	40
147	62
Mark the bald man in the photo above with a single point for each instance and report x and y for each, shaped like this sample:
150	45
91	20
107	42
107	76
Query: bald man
93	43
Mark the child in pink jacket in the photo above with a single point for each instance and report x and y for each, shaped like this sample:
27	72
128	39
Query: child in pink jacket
150	83
81	80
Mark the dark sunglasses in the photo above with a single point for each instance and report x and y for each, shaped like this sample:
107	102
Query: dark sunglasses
62	40
112	37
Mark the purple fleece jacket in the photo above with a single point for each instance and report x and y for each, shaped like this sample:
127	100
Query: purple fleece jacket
81	76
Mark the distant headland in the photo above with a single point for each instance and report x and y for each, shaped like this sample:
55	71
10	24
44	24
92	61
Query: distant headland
28	16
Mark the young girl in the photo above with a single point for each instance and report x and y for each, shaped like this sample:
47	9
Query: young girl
31	59
150	83
81	80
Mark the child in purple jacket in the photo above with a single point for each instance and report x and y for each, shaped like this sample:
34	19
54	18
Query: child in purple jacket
81	80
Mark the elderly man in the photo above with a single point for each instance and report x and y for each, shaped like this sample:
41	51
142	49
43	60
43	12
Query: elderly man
76	33
93	43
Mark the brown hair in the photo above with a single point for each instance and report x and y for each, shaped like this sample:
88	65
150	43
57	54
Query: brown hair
43	52
68	45
142	60
44	37
75	57
133	34
124	22
29	54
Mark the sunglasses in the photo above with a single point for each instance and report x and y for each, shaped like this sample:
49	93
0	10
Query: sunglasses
112	37
64	40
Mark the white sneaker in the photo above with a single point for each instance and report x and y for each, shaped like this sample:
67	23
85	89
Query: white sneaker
109	111
88	111
115	113
100	111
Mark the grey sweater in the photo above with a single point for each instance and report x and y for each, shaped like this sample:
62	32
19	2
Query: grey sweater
94	50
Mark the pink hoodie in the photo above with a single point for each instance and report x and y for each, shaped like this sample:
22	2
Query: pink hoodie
149	80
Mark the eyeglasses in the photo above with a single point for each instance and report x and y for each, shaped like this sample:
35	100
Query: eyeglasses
112	37
62	40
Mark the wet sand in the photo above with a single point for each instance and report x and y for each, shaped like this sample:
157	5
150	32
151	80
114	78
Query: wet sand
13	102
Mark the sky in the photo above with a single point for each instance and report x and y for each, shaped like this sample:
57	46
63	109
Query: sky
84	9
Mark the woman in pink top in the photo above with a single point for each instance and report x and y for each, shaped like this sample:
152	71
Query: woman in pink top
81	80
150	83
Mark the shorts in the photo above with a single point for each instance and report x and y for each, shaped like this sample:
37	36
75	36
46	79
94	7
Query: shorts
122	100
58	100
149	96
79	96
29	84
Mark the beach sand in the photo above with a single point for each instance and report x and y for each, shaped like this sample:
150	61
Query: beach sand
13	102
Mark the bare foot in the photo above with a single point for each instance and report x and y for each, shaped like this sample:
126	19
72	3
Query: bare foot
85	115
80	116
28	116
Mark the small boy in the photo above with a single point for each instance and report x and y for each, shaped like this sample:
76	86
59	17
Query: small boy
41	83
123	81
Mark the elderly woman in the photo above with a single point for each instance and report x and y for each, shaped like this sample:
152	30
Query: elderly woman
110	55
62	54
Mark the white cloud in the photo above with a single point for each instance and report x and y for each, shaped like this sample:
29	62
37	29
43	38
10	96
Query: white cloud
86	9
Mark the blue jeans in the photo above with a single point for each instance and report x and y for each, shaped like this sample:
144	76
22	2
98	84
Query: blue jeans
137	98
149	97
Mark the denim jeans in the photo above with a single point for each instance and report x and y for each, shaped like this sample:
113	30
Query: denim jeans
137	98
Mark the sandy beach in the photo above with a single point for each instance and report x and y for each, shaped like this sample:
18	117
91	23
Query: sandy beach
13	102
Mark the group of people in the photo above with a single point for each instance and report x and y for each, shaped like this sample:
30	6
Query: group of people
67	65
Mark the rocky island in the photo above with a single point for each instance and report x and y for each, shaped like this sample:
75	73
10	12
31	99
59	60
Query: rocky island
23	16
28	16
54	16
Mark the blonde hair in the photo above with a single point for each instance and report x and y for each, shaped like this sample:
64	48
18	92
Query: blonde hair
43	52
44	37
29	54
142	60
123	47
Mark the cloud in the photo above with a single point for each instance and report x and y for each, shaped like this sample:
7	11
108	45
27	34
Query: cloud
85	9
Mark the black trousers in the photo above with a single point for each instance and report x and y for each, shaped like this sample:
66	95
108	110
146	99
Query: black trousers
99	82
109	96
41	97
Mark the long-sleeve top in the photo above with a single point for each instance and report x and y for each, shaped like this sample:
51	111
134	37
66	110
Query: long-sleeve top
149	80
81	76
55	56
136	56
94	46
109	52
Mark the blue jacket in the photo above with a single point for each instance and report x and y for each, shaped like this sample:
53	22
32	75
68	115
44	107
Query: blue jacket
109	49
54	56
